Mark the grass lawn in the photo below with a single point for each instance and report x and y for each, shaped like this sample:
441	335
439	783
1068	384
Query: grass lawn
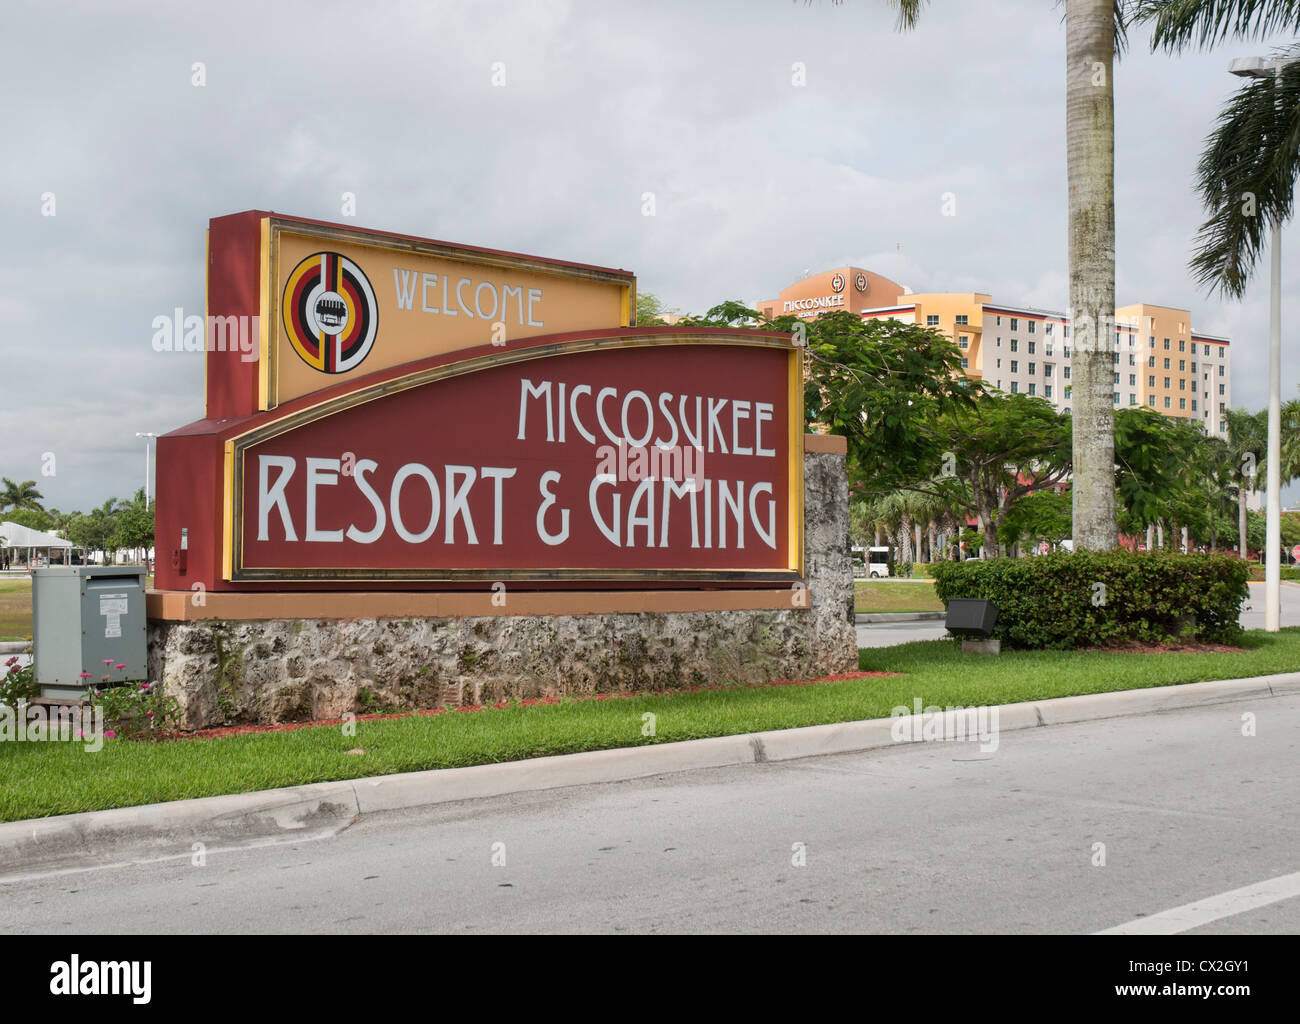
895	596
38	779
15	609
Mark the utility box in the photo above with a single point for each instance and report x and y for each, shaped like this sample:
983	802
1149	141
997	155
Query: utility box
83	616
971	617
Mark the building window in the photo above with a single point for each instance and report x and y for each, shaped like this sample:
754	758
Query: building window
1193	405
1065	372
1207	350
963	319
1221	391
1193	387
1167	385
1193	367
1182	366
1220	369
1015	323
1132	398
1065	330
1182	345
1032	387
965	363
1166	401
1047	391
1153	341
1166	344
1151	361
1117	381
963	341
1015	345
1032	368
999	321
1116	399
1151	382
1033	326
1182	403
931	321
1047	328
1166	364
1182	383
1015	387
1132	359
1151	401
1015	366
1068	389
1066	352
1116	360
1047	369
1047	350
1132	380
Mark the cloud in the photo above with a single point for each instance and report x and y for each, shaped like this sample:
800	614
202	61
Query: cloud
755	178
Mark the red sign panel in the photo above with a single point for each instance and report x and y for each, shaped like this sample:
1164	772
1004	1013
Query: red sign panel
623	457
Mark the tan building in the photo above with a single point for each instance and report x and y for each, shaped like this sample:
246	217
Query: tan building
847	288
1160	362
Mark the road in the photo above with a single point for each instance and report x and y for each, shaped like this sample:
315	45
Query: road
1252	617
920	838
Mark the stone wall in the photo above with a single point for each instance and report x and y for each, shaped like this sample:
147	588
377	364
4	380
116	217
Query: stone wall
286	670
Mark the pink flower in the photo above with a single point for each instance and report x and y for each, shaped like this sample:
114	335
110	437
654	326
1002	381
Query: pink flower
83	675
149	714
12	661
109	734
99	693
119	667
108	661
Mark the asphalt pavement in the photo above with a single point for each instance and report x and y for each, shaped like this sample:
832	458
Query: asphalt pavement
1073	828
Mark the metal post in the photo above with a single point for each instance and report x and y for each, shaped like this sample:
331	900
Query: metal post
1272	569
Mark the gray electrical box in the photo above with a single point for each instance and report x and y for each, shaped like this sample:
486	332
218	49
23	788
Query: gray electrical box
83	616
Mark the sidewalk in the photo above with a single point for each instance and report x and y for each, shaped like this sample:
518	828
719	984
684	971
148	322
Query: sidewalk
297	813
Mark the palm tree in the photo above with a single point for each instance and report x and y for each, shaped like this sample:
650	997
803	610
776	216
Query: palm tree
23	495
1094	33
1247	433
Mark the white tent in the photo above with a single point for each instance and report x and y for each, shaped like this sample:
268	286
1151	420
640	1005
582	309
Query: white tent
16	536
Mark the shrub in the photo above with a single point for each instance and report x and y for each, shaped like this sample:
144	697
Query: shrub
17	684
1093	599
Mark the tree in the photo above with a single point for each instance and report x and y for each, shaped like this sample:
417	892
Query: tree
1247	447
23	495
34	519
1248	169
882	384
1094	31
650	310
134	523
1041	516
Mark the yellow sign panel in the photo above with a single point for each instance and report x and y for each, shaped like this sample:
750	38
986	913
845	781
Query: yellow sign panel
339	304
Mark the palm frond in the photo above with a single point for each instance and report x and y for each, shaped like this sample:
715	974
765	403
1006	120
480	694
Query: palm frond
1246	179
1177	24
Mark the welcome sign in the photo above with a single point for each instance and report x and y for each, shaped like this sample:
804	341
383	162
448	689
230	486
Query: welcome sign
604	458
422	418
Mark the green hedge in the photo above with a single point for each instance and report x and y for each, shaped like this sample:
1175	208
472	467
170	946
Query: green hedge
1094	600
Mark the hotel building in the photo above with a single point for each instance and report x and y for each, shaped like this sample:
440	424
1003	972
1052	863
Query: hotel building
1160	361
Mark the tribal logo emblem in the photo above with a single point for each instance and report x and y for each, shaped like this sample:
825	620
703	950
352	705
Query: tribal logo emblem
330	313
860	282
837	283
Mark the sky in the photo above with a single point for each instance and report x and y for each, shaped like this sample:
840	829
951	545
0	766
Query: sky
755	179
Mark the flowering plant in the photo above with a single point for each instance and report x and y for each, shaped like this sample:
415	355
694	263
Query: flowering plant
133	710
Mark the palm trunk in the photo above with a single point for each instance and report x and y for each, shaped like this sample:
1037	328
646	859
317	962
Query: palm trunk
1090	141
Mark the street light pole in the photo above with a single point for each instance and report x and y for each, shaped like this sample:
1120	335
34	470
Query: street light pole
146	437
1261	67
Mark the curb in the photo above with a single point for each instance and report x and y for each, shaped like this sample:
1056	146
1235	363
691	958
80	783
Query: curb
156	831
866	618
14	646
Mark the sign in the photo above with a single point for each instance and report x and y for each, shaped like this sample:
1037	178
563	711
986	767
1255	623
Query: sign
661	456
1295	553
329	303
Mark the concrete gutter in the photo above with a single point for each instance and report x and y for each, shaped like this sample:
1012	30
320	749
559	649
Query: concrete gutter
297	813
869	617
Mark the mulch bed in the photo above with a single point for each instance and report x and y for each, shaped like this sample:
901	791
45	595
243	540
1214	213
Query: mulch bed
242	730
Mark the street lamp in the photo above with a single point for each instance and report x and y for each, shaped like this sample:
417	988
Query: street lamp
1264	67
146	437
